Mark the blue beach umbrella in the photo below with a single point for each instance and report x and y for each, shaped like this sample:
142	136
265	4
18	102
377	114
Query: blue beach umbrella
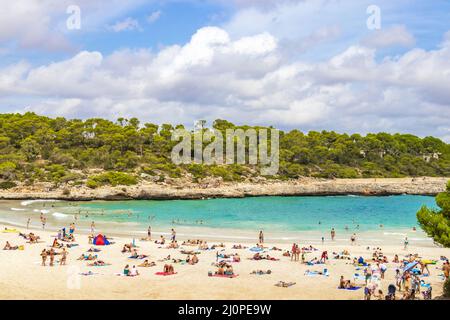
409	266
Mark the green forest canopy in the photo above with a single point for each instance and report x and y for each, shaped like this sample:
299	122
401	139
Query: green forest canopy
101	152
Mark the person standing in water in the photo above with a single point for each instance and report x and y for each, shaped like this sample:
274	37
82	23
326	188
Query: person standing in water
333	234
261	237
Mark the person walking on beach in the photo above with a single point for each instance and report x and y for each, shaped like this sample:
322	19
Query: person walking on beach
149	233
353	238
293	251
44	257
174	235
72	228
52	257
261	237
44	220
333	234
28	223
64	254
92	227
405	243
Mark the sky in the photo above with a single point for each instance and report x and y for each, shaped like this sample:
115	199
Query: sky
352	66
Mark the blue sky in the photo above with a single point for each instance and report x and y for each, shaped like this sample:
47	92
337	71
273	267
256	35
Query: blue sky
304	64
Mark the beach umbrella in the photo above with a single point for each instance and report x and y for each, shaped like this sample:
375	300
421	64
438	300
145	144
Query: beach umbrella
100	240
409	266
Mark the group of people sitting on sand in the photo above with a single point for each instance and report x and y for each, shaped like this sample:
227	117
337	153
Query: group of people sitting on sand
133	272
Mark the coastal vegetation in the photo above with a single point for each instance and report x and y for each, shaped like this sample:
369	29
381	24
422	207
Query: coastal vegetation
97	152
436	223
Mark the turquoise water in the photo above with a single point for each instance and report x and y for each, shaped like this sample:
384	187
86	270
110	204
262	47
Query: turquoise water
278	214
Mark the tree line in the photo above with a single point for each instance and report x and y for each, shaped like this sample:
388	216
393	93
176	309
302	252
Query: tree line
102	152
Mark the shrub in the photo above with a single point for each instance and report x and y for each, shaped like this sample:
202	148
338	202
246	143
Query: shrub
7	185
112	178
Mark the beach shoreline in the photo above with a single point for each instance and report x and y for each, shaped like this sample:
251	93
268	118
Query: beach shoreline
176	190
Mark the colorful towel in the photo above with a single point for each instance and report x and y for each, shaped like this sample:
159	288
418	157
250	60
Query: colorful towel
165	273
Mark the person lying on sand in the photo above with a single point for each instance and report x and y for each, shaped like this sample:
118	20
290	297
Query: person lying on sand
345	284
261	272
98	263
91	249
238	246
190	252
87	257
147	264
31	237
189	242
283	284
8	246
168	269
220	245
276	249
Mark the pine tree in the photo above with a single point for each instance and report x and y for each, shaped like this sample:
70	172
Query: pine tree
436	223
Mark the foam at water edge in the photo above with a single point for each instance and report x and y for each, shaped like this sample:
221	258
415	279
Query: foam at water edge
28	202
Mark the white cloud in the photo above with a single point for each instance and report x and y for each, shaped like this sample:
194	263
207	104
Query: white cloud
247	80
129	24
393	36
154	16
41	24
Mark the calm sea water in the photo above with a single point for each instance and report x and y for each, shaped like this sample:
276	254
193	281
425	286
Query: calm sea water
275	213
284	216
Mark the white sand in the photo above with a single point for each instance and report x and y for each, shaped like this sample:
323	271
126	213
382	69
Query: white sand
22	276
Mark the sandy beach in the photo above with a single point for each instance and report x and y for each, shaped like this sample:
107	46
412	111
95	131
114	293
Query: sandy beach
23	277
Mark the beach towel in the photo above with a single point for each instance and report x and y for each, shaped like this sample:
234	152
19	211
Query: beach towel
165	273
351	289
224	275
256	249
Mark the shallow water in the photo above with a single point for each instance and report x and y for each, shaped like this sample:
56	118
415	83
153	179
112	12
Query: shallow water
282	218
